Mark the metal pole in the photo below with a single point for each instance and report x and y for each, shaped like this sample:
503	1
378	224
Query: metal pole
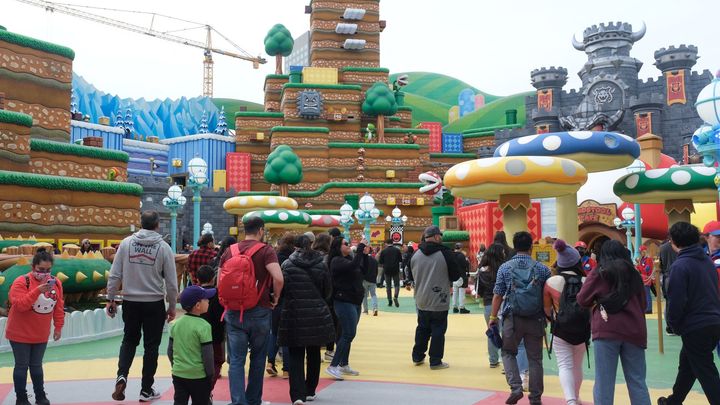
196	213
173	228
638	231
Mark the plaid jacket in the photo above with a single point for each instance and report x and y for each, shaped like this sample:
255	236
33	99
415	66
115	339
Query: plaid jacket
198	258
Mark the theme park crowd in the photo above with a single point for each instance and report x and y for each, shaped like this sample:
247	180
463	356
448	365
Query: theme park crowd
308	294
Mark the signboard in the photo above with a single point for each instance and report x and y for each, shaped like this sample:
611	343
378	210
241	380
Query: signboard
592	211
377	234
544	253
396	234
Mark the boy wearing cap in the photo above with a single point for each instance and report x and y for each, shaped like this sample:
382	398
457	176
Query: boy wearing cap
190	349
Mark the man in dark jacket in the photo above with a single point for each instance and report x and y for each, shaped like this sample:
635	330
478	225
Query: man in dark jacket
694	314
667	257
390	259
433	269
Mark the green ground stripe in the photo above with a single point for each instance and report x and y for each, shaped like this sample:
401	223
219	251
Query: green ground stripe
322	86
36	44
327	186
372	145
71	229
364	69
15	118
453	155
5	154
300	129
68	183
414	131
59	135
261	114
40	81
41	145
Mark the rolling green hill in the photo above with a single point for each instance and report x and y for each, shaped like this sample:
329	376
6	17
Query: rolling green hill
426	110
492	114
438	87
232	106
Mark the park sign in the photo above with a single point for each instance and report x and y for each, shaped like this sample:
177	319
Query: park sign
592	211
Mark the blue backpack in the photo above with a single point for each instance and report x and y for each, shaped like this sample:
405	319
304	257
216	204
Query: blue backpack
525	297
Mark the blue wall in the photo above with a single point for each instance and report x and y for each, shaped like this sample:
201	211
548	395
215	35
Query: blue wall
140	154
212	148
112	137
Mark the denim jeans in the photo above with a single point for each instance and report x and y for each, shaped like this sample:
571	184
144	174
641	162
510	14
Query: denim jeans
370	288
28	356
348	316
431	327
250	333
607	352
648	299
147	318
528	331
493	351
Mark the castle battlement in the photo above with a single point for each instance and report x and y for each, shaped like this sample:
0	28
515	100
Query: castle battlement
544	77
674	58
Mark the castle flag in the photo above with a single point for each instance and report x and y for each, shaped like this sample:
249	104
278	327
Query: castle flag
643	123
544	98
675	85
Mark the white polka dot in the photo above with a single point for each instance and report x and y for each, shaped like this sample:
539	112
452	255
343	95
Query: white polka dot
552	142
655	173
242	201
627	138
306	217
541	160
316	217
568	167
462	171
705	171
258	197
526	139
680	177
272	201
294	213
283	216
270	212
504	149
327	220
487	162
632	181
581	134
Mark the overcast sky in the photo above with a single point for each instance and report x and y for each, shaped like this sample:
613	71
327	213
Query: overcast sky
492	45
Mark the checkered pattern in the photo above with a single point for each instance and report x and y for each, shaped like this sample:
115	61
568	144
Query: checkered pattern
237	170
435	145
483	220
452	143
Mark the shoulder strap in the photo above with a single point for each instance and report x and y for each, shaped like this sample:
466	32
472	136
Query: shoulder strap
254	249
27	282
234	250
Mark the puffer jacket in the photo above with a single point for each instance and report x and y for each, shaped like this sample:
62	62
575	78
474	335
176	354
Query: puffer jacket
305	319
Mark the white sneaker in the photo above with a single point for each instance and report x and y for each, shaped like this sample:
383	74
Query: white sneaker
329	356
525	378
299	402
149	396
348	371
335	372
309	398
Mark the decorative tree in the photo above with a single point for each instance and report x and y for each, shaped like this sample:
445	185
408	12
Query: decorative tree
129	124
283	167
203	124
119	119
379	101
278	43
221	127
73	102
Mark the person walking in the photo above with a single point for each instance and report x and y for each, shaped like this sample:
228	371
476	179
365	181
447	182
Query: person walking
370	287
490	262
305	322
285	248
616	295
213	315
322	246
694	314
204	254
347	280
519	288
501	239
459	285
390	258
144	266
570	323
644	265
407	256
36	301
249	328
433	268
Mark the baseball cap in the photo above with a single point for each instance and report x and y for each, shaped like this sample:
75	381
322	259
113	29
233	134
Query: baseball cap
712	228
580	244
643	248
458	246
432	231
193	294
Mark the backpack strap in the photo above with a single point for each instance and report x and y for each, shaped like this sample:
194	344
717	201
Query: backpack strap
254	249
234	250
27	282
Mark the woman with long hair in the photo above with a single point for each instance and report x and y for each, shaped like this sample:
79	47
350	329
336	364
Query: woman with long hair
286	247
487	274
501	239
616	294
347	279
322	244
305	321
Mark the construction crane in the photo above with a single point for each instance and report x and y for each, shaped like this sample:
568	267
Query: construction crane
207	47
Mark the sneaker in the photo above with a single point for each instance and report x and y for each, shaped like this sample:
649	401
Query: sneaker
210	401
464	311
348	371
335	372
299	402
41	399
455	310
309	398
22	400
148	396
375	312
397	304
494	365
662	401
440	366
271	370
120	384
525	378
329	356
514	397
285	375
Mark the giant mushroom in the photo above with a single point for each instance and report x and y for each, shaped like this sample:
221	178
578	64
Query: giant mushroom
513	181
243	204
677	187
284	219
597	151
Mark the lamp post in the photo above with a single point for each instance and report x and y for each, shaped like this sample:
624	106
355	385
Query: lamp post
637	168
367	214
397	225
197	168
346	220
173	202
628	223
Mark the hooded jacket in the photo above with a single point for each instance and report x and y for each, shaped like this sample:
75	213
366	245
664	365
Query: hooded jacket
305	319
145	267
433	268
693	300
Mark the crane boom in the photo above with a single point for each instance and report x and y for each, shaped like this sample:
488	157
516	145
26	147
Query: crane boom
207	46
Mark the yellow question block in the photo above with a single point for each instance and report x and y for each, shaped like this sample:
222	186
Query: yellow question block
320	75
219	180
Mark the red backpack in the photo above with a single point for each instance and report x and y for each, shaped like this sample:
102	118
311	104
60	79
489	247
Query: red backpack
237	285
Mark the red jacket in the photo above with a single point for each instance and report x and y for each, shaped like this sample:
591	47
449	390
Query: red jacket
645	267
31	311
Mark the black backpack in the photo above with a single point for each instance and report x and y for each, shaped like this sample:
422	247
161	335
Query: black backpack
571	322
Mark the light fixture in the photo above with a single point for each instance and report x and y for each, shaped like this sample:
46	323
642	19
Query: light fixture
628	214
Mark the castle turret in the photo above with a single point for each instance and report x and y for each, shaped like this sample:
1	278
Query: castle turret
676	58
549	83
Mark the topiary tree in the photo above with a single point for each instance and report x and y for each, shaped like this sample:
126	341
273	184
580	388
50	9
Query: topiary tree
283	167
379	101
278	43
221	128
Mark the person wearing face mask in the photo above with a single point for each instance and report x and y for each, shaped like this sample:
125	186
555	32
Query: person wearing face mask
36	300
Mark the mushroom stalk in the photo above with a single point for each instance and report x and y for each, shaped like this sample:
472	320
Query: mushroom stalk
514	207
567	217
678	211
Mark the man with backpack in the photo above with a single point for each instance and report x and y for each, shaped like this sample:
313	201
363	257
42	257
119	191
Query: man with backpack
570	322
249	286
519	288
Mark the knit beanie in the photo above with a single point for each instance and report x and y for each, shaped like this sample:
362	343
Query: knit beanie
567	256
